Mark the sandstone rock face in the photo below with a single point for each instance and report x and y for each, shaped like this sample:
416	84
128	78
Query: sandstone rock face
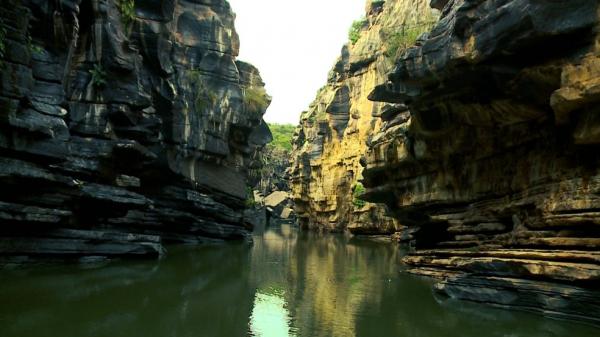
332	135
123	125
496	168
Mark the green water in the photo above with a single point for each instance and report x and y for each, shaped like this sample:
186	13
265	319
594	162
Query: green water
285	284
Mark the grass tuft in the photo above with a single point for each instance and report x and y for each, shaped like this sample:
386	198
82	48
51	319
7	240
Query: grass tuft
98	75
127	9
203	99
404	38
355	29
256	99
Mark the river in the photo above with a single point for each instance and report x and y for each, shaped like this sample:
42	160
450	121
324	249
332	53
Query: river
287	283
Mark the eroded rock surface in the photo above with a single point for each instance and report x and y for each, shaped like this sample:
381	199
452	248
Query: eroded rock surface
123	127
332	135
495	169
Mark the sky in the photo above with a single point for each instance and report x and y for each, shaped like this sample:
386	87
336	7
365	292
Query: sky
294	44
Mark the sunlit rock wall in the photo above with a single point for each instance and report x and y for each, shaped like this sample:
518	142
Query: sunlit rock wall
496	169
332	135
124	124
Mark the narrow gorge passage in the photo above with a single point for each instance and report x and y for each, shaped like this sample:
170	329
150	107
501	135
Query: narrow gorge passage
444	181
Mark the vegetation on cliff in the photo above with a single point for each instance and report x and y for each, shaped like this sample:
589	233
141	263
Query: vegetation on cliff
127	9
98	75
282	136
357	193
402	37
256	99
355	29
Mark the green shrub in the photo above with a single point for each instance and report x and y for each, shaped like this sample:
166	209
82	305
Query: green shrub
256	98
127	9
282	136
355	29
202	97
98	75
357	192
404	38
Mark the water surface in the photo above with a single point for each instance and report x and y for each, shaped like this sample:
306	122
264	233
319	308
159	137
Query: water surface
285	284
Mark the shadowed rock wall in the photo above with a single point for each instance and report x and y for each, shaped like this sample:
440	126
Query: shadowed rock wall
496	170
123	125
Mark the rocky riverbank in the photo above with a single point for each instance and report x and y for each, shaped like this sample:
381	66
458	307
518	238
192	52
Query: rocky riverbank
124	125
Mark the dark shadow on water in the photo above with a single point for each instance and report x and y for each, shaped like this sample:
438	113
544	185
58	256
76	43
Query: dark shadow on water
181	295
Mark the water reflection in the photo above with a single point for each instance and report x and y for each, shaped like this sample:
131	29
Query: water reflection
338	286
202	291
270	318
285	284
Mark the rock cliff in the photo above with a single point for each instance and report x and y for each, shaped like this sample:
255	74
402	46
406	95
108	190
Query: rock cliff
331	137
123	125
495	169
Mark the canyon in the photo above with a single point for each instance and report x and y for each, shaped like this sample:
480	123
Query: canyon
452	160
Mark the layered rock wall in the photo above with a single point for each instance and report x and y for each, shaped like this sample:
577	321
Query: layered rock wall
332	135
123	125
496	169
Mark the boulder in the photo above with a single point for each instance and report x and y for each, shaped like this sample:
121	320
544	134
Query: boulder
276	198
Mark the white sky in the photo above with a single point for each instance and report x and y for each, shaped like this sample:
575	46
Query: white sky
294	44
